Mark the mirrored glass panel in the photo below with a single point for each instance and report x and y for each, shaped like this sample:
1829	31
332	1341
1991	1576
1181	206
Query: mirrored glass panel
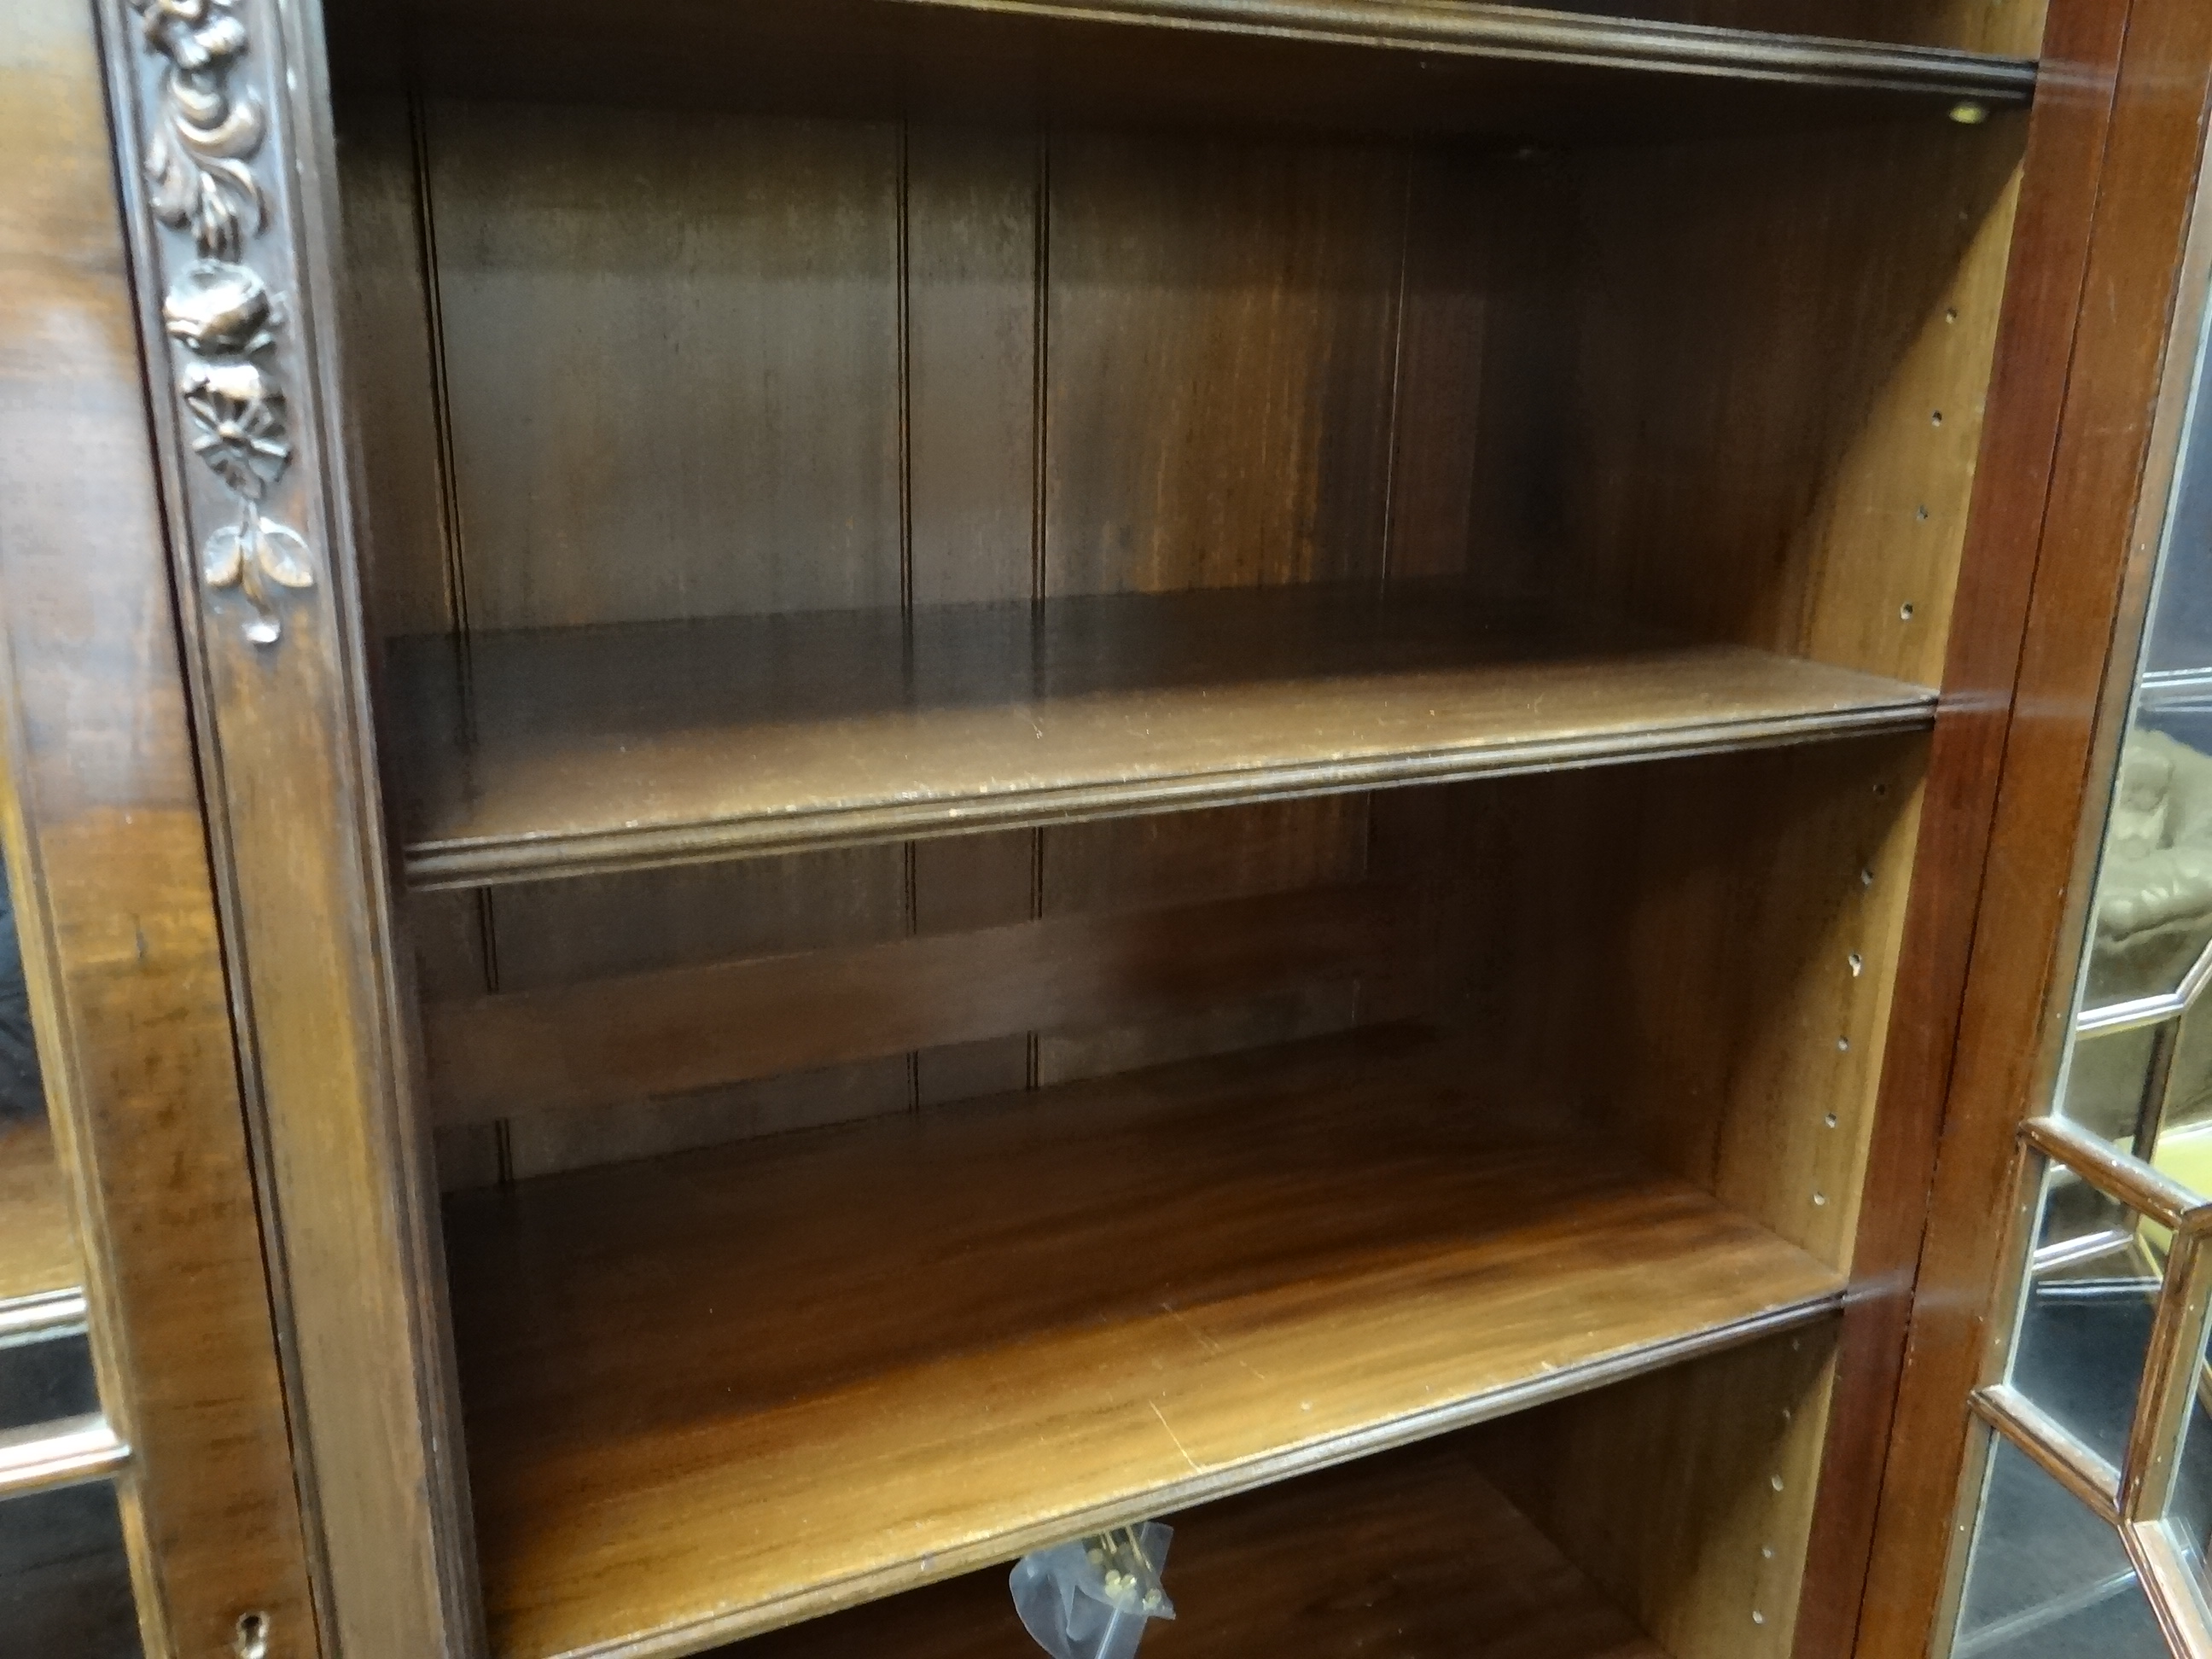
2047	1579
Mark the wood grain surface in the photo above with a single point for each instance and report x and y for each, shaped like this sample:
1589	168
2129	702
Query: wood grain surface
816	1368
1526	73
602	1042
38	1240
101	814
1686	1495
1410	1553
554	752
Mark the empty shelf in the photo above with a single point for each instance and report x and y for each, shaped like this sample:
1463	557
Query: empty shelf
562	751
716	1393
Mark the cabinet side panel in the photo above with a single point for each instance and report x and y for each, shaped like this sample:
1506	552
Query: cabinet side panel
1687	1495
1725	934
1782	352
101	811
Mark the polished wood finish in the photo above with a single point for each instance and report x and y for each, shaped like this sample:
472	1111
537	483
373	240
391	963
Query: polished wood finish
37	1241
2141	1187
1410	1552
1526	31
1686	1495
608	1041
1512	72
782	1418
2104	237
761	472
287	798
101	813
553	752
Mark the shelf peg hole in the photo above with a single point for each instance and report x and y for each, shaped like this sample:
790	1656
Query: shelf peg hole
1757	1617
1830	1120
251	1641
1866	875
1881	790
1950	314
1858	964
1766	1552
1819	1200
1905	612
1843	1045
1935	417
1775	1482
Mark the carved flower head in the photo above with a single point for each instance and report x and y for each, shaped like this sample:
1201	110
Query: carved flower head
193	34
238	415
217	308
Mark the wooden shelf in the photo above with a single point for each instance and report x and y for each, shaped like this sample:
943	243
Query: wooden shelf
1443	66
563	750
1527	34
37	1241
1411	1554
721	1392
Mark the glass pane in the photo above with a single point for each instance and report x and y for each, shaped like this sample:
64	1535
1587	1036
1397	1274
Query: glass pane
2086	1320
2185	1138
2106	1079
41	1381
38	1251
2048	1580
65	1585
2154	891
2189	1510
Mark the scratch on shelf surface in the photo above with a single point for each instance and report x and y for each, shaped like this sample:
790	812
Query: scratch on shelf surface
1187	1457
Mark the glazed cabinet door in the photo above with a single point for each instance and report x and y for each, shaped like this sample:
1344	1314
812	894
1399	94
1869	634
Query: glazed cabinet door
2045	1489
140	1377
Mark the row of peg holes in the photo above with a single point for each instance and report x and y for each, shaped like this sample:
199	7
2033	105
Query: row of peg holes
1766	1551
1905	612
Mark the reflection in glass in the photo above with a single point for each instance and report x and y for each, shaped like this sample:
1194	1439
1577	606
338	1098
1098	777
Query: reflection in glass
2086	1319
2154	889
2047	1579
64	1586
2107	1080
2189	1508
2184	1131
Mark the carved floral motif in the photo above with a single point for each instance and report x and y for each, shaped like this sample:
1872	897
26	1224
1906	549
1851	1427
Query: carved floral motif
223	317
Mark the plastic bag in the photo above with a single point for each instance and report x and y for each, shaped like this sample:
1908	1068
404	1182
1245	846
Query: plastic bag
1091	1599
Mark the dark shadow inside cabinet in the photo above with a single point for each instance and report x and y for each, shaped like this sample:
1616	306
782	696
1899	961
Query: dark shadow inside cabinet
1115	817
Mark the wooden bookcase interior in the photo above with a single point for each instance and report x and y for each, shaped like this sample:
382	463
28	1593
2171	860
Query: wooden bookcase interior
920	550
